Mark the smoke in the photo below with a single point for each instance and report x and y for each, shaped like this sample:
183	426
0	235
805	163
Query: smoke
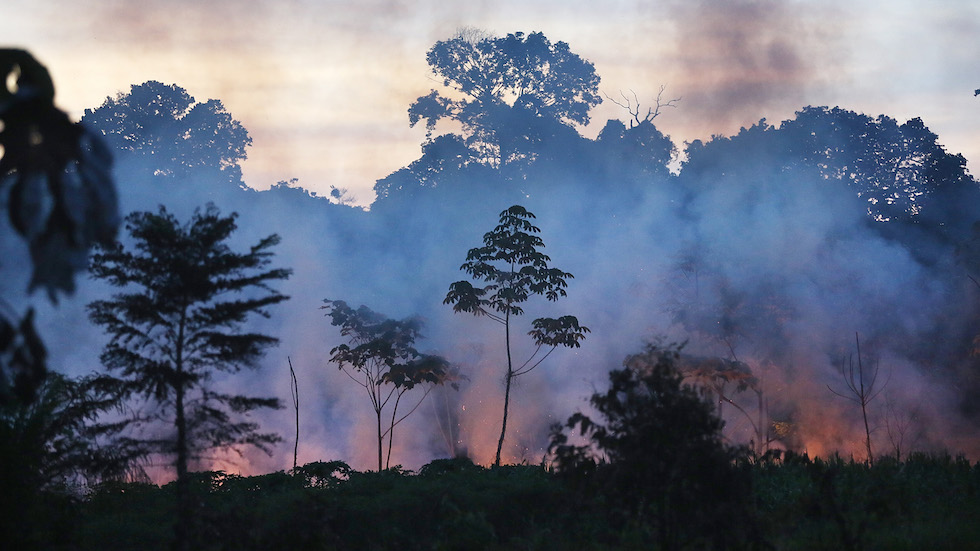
747	59
776	267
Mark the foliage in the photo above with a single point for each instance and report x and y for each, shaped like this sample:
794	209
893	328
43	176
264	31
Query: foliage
515	269
23	357
381	352
177	322
921	502
60	199
56	174
900	171
499	85
723	379
172	135
924	502
663	463
185	296
58	440
50	448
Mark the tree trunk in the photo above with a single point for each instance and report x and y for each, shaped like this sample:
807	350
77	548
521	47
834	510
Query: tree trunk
864	401
380	440
183	490
294	387
184	516
507	380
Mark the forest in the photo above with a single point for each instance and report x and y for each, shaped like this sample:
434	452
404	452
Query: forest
766	340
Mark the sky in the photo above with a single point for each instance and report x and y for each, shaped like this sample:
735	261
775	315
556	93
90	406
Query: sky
323	86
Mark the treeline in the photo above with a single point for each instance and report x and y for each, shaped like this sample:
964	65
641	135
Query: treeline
766	251
651	473
794	503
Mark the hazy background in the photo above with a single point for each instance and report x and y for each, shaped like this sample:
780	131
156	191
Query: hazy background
323	89
323	86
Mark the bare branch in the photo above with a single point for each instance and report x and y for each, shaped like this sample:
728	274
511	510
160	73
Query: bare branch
536	364
633	106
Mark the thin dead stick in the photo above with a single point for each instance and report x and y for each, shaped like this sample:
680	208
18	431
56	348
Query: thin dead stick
294	387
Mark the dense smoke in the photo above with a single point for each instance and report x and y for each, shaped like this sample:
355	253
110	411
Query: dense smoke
767	249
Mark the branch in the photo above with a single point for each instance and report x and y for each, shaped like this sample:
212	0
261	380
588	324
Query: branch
352	377
740	408
411	411
633	106
975	282
522	371
851	398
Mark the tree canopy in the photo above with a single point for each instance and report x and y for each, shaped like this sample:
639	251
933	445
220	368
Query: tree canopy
171	134
499	86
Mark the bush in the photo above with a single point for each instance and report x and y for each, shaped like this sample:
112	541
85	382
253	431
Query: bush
657	459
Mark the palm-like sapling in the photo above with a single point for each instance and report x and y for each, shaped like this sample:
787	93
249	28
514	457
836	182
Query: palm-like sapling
514	269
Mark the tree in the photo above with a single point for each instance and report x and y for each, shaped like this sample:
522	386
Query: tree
60	199
171	134
496	82
381	357
515	269
57	440
657	455
860	390
177	323
51	447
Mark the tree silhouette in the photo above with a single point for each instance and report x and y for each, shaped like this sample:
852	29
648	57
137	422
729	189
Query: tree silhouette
53	446
177	322
515	269
496	82
656	454
381	353
861	389
171	134
901	171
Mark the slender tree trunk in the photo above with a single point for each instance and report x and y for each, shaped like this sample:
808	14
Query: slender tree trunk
391	429
864	401
380	440
295	392
184	516
507	380
762	428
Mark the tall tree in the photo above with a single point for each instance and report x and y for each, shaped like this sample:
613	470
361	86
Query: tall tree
171	134
514	268
381	357
504	88
178	322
